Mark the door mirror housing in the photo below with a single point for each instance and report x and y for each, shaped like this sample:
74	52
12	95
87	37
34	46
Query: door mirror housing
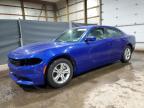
90	38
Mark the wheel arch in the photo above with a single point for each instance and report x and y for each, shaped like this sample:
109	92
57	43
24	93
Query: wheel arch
65	56
129	44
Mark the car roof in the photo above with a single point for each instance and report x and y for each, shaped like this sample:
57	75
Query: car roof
91	26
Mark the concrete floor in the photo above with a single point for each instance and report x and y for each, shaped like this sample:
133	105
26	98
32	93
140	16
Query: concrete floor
113	86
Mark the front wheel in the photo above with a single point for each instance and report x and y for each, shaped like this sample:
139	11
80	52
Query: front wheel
59	73
127	54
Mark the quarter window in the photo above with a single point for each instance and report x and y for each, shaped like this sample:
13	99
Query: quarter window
113	32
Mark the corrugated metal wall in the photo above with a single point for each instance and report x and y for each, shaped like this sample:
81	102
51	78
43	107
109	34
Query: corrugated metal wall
76	11
11	9
127	15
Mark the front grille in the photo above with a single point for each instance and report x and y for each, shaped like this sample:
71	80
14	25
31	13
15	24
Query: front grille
25	62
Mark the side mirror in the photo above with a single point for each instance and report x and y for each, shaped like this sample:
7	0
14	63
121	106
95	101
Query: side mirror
90	38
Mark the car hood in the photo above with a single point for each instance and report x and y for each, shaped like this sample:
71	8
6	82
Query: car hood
38	47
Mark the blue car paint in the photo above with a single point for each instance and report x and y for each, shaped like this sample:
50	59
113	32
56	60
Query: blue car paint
85	56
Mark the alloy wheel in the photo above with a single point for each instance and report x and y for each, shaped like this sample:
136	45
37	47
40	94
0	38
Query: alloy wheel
61	73
127	53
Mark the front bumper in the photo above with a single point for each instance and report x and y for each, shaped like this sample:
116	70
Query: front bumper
27	75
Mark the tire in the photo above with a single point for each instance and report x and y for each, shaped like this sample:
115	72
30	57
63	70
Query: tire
59	73
126	55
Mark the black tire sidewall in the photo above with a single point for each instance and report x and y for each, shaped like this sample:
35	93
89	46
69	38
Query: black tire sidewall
49	77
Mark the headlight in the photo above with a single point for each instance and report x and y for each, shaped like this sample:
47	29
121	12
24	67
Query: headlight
25	62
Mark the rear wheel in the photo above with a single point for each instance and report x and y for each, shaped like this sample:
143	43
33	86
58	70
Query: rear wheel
59	73
127	54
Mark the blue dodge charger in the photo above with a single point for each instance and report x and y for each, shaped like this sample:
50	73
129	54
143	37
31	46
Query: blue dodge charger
73	52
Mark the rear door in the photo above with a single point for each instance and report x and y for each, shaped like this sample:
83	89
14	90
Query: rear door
117	43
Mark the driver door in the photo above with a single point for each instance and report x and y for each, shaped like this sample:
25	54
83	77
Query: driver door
99	50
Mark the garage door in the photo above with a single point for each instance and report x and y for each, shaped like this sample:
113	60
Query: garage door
127	15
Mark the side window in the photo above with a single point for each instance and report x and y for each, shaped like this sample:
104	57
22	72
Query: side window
113	32
97	32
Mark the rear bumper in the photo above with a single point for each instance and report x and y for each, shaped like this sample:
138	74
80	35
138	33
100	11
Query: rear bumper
29	75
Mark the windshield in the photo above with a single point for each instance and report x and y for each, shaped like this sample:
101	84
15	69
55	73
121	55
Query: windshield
72	35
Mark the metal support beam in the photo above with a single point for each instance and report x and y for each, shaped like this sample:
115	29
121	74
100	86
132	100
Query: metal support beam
67	10
55	12
100	12
20	33
22	9
39	2
85	11
46	13
42	7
